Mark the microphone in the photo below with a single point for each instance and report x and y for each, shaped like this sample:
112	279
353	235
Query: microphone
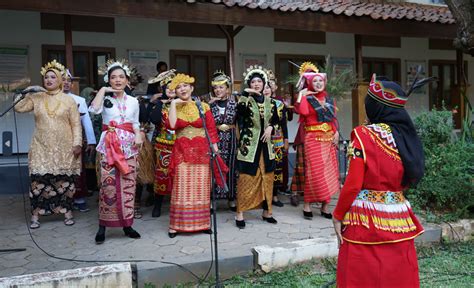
32	89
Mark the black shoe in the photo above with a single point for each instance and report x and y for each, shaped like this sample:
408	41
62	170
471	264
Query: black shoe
240	223
99	238
208	231
277	203
233	208
308	215
156	211
172	234
131	233
326	215
157	207
270	220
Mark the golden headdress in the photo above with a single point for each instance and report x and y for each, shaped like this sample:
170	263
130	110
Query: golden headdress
53	65
111	63
219	78
254	71
180	78
308	67
164	77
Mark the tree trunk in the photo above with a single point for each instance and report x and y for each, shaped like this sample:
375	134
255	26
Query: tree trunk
463	12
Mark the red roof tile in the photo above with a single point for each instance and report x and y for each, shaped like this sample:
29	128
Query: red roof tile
385	11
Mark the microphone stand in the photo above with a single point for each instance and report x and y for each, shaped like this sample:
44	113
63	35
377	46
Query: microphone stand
213	156
14	104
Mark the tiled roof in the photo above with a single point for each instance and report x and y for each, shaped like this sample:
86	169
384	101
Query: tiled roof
374	9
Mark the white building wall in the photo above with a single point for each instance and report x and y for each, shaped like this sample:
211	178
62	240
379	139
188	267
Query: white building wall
149	34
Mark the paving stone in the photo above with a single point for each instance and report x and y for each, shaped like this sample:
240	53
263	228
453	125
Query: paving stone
12	271
278	235
191	250
299	236
15	263
289	228
38	264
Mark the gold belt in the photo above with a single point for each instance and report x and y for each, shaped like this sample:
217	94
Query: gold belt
225	127
190	132
325	127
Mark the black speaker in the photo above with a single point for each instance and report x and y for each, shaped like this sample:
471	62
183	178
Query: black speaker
7	143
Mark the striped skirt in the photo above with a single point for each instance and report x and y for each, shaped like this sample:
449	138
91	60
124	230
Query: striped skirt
117	195
190	198
297	181
321	168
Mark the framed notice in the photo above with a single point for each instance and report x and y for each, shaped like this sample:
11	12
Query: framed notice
253	60
145	62
14	66
411	68
342	64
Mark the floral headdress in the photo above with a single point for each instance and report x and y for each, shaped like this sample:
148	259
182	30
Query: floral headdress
307	72
255	71
111	63
53	65
180	78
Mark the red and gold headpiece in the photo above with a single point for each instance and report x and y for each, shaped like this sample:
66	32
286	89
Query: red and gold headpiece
387	92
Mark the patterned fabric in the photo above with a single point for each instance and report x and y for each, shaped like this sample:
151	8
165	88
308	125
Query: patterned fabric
227	146
163	184
254	190
278	145
57	130
321	168
51	193
250	132
297	181
117	195
382	135
389	211
190	199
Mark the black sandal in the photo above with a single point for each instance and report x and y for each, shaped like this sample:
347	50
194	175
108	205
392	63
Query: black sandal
240	224
326	215
308	215
270	220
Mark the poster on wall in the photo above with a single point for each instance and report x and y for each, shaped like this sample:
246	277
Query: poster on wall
145	62
14	66
342	64
253	60
412	66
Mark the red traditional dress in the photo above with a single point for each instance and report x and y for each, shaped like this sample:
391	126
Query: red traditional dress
321	166
378	248
190	169
164	142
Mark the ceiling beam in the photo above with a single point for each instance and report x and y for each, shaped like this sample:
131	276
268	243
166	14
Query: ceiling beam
222	15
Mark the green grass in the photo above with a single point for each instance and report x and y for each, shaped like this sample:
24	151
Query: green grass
444	265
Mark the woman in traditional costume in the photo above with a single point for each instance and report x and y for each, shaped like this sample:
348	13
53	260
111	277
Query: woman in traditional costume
373	221
190	160
164	138
224	110
118	146
279	141
54	153
318	113
257	118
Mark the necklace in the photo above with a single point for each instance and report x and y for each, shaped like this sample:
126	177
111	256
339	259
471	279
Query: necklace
121	107
51	113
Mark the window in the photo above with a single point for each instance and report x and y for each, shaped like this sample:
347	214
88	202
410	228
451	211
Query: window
286	71
443	89
382	67
199	64
87	61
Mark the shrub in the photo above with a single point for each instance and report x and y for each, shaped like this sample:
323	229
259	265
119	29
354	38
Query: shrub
446	189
